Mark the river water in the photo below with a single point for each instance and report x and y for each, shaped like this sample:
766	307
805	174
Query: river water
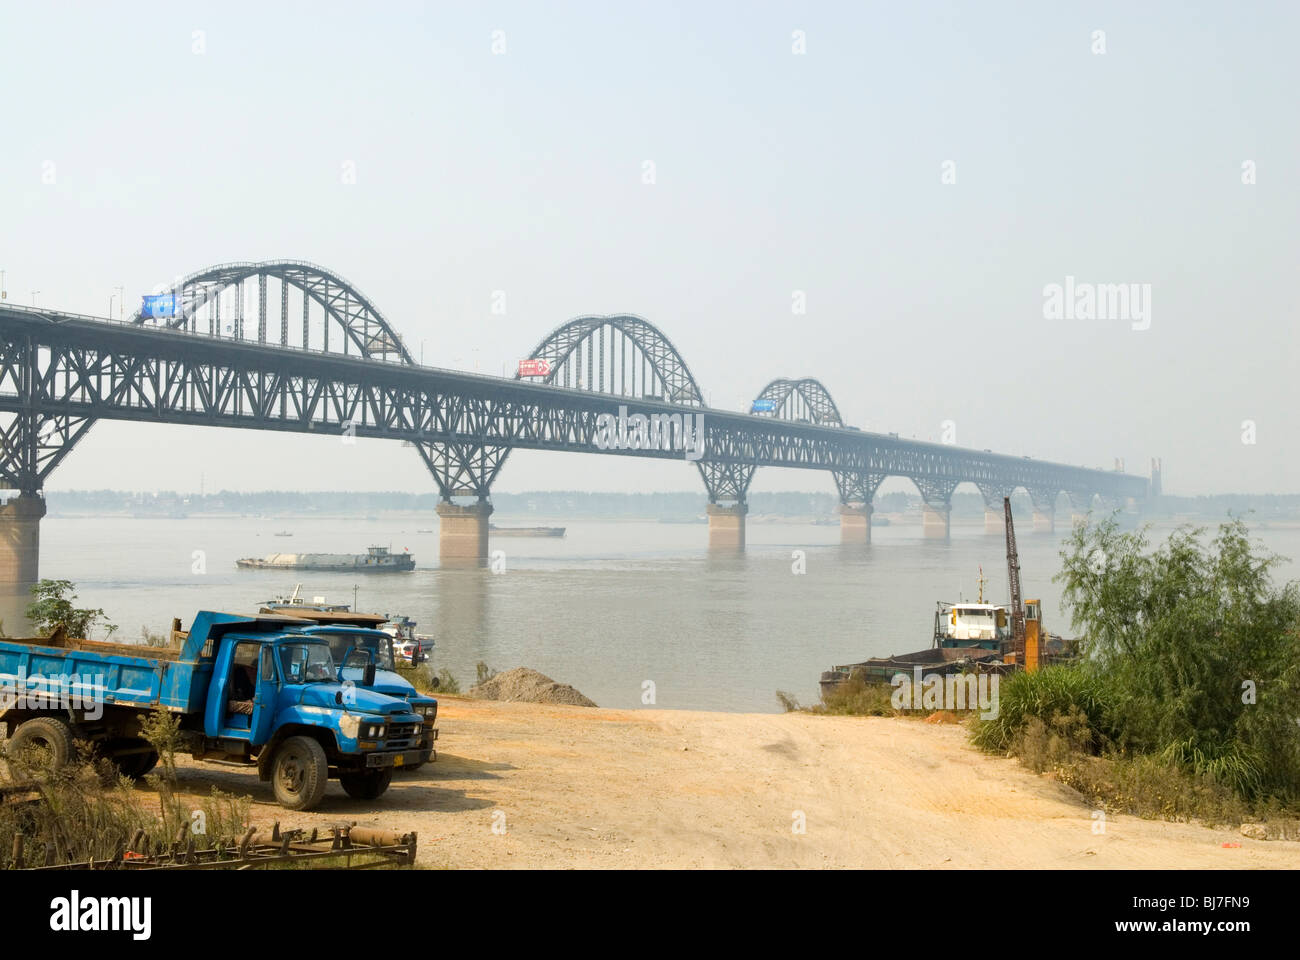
611	606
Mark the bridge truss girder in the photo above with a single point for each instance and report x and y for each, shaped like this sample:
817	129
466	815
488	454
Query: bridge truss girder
1044	497
463	469
936	491
33	444
65	370
857	487
726	481
994	494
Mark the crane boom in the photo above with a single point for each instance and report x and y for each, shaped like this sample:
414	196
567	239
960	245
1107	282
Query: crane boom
1013	581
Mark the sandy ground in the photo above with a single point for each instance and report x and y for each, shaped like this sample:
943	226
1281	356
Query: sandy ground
581	787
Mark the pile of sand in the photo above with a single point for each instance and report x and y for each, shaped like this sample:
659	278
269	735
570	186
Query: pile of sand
523	685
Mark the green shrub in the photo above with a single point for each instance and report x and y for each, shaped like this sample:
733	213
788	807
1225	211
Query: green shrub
1073	692
51	608
1197	649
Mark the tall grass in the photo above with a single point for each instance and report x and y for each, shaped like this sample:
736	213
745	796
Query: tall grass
1059	691
855	697
86	811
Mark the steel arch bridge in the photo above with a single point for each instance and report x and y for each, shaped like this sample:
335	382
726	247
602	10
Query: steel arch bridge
288	345
356	321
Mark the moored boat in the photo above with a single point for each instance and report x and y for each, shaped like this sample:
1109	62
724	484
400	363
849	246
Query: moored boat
374	560
496	531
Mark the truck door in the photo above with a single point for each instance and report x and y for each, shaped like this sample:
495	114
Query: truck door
252	690
268	687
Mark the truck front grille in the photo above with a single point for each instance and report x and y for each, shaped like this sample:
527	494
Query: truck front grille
402	736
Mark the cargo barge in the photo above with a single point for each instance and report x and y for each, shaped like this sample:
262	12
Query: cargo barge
496	531
374	560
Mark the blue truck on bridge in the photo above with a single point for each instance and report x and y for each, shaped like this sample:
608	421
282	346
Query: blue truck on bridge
248	690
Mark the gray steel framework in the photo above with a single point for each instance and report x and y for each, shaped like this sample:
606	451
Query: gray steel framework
349	373
58	371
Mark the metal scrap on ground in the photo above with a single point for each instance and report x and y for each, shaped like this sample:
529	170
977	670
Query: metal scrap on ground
358	847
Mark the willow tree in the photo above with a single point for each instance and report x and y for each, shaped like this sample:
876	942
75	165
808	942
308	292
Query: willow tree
1198	646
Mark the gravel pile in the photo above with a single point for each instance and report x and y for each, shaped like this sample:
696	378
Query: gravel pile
522	685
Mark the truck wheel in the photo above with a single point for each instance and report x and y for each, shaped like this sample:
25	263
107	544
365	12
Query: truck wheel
299	773
367	786
136	765
42	740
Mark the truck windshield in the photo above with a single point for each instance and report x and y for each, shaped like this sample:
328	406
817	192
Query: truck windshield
307	663
381	647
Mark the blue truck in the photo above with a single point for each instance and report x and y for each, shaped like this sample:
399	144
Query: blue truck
249	690
352	635
354	648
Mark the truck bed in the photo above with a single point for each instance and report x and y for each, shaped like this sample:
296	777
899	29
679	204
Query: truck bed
60	642
120	674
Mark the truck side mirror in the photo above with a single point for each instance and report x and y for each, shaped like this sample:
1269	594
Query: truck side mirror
368	678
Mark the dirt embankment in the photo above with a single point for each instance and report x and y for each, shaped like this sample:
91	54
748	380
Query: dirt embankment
531	785
522	685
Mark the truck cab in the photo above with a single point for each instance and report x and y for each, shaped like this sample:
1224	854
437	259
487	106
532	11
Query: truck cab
352	647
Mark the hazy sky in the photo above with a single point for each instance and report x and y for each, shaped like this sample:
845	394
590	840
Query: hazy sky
182	135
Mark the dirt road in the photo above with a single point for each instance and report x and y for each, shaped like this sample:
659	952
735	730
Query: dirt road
577	787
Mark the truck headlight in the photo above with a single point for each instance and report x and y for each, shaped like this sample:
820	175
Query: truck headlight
373	730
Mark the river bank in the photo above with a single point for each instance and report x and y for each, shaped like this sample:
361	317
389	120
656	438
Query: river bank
542	786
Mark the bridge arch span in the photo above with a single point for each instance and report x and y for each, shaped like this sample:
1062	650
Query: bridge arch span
623	354
792	399
329	313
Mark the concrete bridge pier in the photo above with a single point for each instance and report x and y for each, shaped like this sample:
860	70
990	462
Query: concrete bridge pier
726	526
855	523
995	521
20	552
1044	519
726	482
935	520
463	533
936	506
20	540
1080	507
